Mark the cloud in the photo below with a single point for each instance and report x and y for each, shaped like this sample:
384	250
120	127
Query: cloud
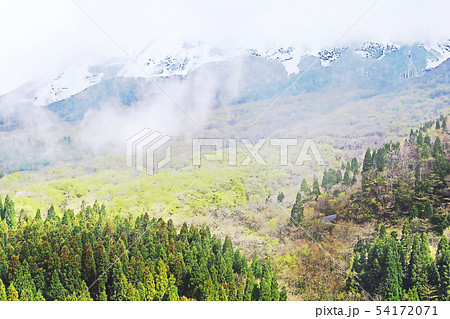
40	38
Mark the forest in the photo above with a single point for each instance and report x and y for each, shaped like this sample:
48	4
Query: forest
123	259
399	193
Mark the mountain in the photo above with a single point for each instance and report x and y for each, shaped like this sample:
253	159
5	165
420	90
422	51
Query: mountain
381	62
338	99
264	74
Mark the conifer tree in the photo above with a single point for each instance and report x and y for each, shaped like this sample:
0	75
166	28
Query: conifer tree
425	152
443	266
51	213
121	289
9	213
38	215
39	296
56	289
414	212
280	197
283	294
406	242
305	188
172	291
88	273
3	296
437	148
12	293
368	161
354	166
256	266
380	160
427	140
297	211
275	291
316	189
249	285
392	288
149	285
161	281
101	265
419	140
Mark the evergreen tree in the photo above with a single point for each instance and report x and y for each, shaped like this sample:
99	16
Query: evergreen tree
9	213
161	281
368	162
51	213
443	266
121	289
392	288
427	140
437	149
38	215
88	265
39	296
406	242
265	291
249	285
380	160
149	285
414	212
355	166
419	140
438	125
316	189
305	188
3	296
172	293
274	290
256	266
12	293
280	197
425	152
283	294
297	211
56	289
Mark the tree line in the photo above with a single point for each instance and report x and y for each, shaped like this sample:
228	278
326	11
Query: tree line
122	258
401	269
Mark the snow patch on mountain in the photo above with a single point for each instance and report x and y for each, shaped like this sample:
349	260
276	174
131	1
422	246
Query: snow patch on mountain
376	50
289	57
158	60
326	57
439	52
72	81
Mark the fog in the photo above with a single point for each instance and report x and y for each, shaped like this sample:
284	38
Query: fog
41	39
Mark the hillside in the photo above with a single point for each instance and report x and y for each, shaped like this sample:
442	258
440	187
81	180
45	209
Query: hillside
405	180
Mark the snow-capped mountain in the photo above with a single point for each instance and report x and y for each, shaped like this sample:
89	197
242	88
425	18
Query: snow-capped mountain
157	61
373	50
439	52
67	83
